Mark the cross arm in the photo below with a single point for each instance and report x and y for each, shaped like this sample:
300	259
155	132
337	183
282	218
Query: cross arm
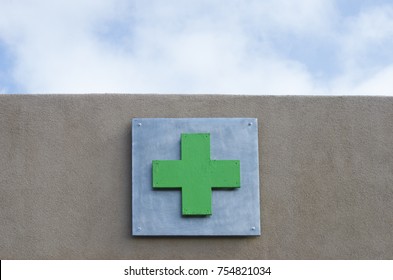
225	173
167	173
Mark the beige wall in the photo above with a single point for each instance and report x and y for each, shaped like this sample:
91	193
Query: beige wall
326	173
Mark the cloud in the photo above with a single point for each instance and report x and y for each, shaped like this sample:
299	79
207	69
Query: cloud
367	60
253	47
53	43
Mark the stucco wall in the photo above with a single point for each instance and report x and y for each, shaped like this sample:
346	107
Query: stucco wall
326	174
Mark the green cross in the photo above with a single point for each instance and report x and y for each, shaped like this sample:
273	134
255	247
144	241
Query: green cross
196	174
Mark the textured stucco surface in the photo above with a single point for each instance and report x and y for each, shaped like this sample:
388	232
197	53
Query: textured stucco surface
326	177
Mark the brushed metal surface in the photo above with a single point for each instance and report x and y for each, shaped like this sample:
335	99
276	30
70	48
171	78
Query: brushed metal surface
158	212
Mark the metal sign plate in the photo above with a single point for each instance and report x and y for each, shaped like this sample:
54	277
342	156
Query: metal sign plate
169	151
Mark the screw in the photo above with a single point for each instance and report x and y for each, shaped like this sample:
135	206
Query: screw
253	228
249	124
139	124
139	229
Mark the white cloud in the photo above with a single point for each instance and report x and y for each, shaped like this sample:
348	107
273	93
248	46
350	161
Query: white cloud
366	56
54	44
195	46
380	83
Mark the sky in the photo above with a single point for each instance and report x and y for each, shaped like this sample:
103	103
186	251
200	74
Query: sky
261	47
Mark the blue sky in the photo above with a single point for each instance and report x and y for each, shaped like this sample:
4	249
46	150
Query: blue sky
281	47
